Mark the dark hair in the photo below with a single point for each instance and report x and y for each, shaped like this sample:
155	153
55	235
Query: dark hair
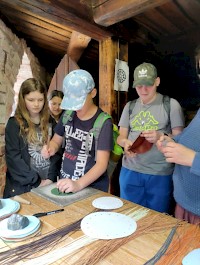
55	93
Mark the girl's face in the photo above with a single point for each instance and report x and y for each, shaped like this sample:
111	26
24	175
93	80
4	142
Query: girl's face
54	106
34	103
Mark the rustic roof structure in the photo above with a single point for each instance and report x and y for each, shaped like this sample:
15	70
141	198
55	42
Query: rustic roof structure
55	27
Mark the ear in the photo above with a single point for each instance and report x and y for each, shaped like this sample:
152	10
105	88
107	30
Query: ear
157	82
93	93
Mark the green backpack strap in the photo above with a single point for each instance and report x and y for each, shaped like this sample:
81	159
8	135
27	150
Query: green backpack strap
96	129
67	116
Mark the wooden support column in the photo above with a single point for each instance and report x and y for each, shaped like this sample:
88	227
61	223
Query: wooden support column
107	53
109	100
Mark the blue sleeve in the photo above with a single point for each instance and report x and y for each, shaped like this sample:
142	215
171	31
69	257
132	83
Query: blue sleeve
195	168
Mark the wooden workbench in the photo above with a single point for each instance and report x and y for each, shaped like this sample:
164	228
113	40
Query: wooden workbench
153	230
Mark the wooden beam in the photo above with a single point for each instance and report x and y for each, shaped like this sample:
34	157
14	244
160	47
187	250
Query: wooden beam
109	100
58	13
109	12
107	55
77	45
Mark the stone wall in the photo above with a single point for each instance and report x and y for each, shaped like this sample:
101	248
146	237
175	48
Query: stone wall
11	52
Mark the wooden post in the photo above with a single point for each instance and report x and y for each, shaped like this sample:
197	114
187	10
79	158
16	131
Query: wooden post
109	100
107	54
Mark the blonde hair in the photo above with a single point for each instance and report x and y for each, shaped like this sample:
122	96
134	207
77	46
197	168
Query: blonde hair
27	127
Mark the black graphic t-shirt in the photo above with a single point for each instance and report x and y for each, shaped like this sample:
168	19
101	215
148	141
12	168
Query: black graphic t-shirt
77	159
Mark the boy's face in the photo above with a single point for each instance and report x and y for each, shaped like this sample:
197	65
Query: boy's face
147	93
88	101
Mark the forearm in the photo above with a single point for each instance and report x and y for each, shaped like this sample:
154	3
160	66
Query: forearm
53	147
96	171
121	140
92	175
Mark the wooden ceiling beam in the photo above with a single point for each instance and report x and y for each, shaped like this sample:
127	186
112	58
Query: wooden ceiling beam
59	14
107	13
77	45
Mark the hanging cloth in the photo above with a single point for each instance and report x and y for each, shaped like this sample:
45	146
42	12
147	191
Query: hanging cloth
121	81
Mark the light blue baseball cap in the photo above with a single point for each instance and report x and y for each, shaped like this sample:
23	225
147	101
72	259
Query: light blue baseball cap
76	86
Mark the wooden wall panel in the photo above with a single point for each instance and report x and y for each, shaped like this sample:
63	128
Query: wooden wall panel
66	65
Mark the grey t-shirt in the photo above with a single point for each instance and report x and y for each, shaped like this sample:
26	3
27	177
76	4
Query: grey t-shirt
151	116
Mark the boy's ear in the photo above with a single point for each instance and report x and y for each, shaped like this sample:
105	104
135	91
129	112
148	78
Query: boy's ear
157	82
94	92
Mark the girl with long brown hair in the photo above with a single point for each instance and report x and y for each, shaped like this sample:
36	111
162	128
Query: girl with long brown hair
26	132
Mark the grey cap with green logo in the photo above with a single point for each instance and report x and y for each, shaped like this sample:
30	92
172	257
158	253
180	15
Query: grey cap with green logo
145	74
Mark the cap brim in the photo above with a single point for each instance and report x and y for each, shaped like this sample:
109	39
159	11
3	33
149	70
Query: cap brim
69	103
143	82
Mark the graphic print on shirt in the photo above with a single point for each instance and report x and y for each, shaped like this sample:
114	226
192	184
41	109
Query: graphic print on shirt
75	156
38	163
144	121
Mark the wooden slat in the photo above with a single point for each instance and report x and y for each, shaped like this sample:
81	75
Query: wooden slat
55	13
66	65
190	9
109	12
77	45
19	17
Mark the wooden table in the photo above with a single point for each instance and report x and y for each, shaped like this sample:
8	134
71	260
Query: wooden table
153	230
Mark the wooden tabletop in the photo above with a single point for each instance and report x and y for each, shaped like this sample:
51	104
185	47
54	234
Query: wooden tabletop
148	242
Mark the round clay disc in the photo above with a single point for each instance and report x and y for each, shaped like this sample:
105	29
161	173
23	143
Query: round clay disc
55	191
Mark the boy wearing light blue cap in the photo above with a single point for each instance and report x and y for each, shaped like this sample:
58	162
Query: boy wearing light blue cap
79	167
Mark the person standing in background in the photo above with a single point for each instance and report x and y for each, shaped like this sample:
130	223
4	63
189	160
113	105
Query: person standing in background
146	178
25	134
54	99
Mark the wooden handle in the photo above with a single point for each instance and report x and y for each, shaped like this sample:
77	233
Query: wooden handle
20	199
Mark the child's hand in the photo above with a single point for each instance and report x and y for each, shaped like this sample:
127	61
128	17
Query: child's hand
45	152
68	185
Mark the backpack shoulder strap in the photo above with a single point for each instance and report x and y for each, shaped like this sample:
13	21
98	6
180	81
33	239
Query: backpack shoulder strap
166	103
102	117
67	116
96	129
131	106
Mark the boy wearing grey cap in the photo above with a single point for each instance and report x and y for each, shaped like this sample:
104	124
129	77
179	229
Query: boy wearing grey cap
79	167
146	178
